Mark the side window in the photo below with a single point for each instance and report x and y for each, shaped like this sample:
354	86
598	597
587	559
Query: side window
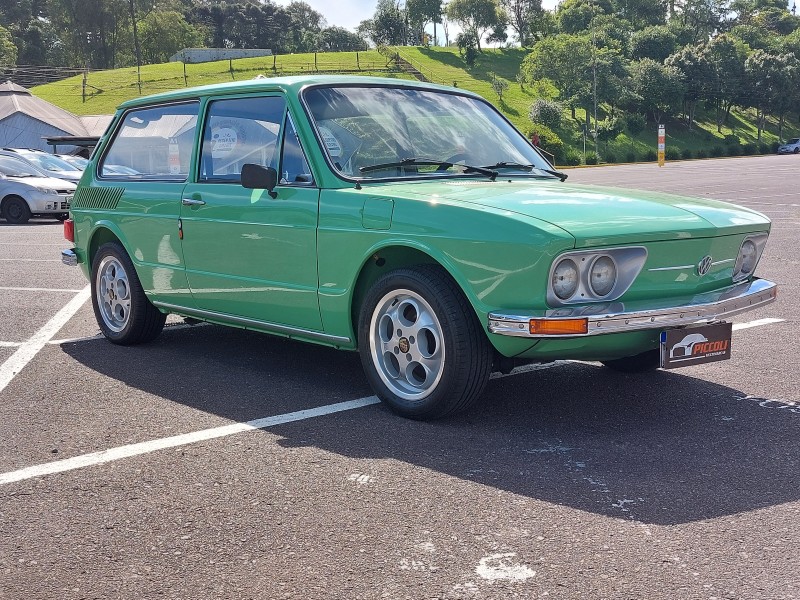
294	167
240	131
153	143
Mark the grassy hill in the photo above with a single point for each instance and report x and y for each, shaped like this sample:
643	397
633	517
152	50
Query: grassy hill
103	91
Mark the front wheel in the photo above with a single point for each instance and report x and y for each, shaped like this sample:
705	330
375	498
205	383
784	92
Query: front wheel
122	310
16	210
421	345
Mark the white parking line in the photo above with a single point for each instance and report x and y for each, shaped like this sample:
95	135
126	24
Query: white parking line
756	323
30	259
104	456
25	353
35	289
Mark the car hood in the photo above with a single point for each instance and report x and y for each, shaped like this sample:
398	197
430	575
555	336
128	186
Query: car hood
597	216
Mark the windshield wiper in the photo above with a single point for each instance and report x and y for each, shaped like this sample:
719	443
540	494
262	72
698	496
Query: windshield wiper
514	165
441	165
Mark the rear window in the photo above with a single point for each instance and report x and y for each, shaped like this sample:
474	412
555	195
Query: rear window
153	143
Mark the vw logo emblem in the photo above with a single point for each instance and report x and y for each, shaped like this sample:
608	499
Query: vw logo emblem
704	266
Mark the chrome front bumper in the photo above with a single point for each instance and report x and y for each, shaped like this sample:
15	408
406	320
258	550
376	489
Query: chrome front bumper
614	318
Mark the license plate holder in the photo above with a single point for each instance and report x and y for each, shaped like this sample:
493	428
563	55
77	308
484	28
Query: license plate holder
695	345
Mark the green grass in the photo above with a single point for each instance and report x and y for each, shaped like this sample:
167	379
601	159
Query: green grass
107	89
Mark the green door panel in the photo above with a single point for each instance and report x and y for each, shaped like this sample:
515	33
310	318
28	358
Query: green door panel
146	219
253	256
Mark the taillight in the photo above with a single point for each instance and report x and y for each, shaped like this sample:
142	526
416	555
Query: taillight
69	230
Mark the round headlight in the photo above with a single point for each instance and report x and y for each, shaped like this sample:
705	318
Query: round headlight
565	279
747	257
603	276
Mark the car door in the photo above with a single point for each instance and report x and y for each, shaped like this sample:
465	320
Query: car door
247	254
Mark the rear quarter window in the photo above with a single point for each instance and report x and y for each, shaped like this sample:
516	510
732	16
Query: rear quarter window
152	143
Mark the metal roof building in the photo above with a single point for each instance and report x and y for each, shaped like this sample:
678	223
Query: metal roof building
25	120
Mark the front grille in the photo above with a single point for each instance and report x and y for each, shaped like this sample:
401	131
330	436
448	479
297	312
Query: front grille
65	192
65	206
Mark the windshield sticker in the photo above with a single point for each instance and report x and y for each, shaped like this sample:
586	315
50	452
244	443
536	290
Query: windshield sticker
331	143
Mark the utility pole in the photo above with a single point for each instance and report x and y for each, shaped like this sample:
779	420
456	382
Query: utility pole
136	47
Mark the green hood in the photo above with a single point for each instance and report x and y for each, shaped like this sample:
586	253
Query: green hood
597	216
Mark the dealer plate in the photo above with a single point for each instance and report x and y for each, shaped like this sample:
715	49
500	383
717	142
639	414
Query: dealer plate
696	345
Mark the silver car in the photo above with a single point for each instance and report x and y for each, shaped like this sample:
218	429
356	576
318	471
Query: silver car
26	191
46	163
790	147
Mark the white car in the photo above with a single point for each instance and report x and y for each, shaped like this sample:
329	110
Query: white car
790	147
25	191
45	162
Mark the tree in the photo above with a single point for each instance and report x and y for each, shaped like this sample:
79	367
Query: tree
660	87
695	68
8	51
305	25
570	63
725	56
475	16
774	86
163	33
422	12
499	85
388	24
656	42
521	16
94	32
339	39
641	13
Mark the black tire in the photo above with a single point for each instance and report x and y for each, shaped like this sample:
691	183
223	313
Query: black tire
639	363
122	310
62	217
797	150
445	355
16	210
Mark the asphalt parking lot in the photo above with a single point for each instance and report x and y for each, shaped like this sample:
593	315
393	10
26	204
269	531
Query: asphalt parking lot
218	463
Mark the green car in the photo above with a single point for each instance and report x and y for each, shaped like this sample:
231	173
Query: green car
407	221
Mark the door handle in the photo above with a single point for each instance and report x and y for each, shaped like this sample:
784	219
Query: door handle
192	202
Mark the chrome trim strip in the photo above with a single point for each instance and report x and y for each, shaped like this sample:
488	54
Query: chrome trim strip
69	258
705	308
253	323
680	268
722	262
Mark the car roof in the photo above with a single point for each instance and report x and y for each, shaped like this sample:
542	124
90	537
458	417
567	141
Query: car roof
286	84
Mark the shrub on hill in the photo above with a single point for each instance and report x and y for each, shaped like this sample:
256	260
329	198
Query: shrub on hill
547	112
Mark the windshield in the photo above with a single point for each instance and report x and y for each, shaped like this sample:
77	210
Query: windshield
367	130
793	141
48	162
78	162
12	167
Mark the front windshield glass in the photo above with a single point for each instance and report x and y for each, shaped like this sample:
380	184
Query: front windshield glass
365	130
793	141
48	162
12	167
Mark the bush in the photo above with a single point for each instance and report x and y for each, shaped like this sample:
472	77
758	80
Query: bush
672	153
547	112
702	153
592	158
717	151
635	123
572	157
774	147
650	156
686	154
498	85
763	148
630	157
610	158
731	139
749	149
548	140
734	150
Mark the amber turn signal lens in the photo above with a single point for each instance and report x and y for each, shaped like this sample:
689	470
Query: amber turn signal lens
559	326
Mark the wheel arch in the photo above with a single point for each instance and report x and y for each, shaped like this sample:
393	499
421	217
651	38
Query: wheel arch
397	255
103	233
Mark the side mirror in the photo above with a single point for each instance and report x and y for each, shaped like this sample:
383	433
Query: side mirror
259	177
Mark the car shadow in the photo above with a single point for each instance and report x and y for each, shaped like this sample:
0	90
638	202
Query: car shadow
661	448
